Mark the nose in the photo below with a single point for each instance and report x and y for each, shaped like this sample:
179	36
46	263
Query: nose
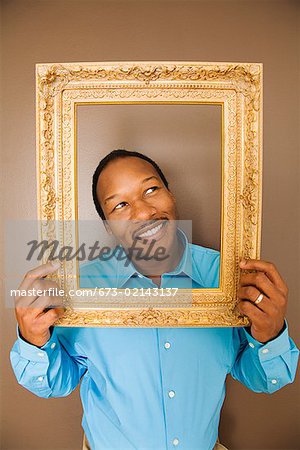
143	210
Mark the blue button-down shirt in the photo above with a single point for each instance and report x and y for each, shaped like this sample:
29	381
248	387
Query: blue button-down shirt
152	388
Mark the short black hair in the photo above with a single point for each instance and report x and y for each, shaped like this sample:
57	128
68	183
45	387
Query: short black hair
115	154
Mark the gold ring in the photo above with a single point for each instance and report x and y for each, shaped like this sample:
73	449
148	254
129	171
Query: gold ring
259	298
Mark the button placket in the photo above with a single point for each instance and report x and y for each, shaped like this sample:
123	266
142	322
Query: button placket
169	384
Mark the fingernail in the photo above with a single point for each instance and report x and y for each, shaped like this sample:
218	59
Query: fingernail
55	264
243	262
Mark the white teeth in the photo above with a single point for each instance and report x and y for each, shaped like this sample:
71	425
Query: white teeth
152	231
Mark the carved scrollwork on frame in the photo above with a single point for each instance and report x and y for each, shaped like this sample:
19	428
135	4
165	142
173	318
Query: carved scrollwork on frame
237	87
149	317
53	78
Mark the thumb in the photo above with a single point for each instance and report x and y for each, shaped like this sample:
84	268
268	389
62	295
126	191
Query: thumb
39	272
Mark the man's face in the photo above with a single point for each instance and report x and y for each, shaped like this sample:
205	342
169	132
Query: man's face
137	204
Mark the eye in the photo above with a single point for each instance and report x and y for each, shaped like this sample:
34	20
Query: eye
120	205
151	189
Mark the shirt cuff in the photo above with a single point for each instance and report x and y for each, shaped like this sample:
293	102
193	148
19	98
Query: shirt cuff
34	353
272	348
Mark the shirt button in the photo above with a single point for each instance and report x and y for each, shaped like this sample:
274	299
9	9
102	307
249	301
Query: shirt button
171	394
167	345
41	354
53	345
251	344
175	442
40	378
274	381
265	350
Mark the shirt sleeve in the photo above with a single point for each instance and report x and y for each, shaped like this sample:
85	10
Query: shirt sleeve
47	371
264	367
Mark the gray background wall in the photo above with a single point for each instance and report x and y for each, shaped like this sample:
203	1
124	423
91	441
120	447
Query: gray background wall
57	31
185	140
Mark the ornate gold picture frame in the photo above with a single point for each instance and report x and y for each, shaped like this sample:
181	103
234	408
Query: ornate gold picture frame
237	87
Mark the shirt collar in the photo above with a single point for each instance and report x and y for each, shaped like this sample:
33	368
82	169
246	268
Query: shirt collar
126	269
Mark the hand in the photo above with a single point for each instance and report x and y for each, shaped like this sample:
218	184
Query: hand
34	321
267	316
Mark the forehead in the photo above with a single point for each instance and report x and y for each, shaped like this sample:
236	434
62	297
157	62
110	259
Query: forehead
124	174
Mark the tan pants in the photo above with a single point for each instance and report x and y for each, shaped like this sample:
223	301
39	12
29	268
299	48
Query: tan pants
219	446
86	446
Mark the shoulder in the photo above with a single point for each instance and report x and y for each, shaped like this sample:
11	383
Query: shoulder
206	265
98	273
204	253
204	250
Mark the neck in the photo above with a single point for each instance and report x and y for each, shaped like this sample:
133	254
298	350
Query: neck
152	269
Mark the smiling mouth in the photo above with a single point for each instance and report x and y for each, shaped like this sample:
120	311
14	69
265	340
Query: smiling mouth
152	232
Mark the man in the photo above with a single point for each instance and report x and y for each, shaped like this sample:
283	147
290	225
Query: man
153	388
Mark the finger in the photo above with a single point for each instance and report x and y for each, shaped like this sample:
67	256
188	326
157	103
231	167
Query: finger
34	313
256	315
268	268
51	316
49	297
264	285
39	272
41	294
251	293
46	302
260	281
